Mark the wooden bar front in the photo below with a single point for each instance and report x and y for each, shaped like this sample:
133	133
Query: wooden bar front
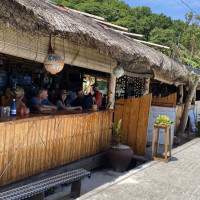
38	142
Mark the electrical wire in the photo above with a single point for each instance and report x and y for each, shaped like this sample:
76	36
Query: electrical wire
189	7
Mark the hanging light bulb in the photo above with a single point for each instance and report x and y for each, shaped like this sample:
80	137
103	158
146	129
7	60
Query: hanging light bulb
53	63
118	71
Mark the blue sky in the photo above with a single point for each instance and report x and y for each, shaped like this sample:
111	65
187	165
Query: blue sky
172	8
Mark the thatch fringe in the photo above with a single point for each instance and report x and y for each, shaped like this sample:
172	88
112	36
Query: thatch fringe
42	16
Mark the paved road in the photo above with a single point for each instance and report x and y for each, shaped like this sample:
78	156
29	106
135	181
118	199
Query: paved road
177	179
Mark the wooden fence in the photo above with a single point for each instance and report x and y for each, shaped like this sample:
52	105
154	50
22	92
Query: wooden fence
134	113
168	101
33	145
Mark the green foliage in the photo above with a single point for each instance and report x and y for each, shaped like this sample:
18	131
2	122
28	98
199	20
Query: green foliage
182	54
162	36
117	136
163	120
182	37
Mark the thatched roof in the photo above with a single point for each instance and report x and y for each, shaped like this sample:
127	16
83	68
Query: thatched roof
46	18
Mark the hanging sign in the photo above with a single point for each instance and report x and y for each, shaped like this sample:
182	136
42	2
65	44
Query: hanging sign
53	63
118	71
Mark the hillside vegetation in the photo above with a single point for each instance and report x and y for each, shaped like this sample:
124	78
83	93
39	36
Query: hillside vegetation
182	37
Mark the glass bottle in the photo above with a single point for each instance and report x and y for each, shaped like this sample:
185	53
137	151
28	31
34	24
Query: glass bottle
13	108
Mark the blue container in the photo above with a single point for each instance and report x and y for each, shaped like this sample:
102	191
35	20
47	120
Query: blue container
13	110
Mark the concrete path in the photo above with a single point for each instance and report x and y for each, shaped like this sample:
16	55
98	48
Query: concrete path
177	179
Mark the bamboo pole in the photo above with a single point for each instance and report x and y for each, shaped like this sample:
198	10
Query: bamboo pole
112	25
153	44
111	91
87	14
147	85
132	35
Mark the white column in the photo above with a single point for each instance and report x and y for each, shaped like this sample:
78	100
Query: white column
111	90
146	86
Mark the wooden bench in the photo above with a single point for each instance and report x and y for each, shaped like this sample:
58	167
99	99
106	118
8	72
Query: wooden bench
36	189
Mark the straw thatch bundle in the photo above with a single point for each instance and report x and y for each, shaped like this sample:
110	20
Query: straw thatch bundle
44	17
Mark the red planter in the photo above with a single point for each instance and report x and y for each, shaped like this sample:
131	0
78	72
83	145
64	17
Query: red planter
120	158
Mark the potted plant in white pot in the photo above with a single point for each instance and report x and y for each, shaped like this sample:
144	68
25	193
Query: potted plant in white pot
120	155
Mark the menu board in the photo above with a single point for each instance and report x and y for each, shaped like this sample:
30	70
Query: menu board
155	111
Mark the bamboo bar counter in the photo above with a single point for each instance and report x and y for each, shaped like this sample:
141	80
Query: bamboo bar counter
38	142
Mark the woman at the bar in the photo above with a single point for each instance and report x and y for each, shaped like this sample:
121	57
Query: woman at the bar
61	103
18	95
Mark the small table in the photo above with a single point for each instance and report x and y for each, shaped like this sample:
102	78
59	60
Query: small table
161	157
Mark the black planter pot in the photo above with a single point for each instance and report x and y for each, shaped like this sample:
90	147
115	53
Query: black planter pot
120	158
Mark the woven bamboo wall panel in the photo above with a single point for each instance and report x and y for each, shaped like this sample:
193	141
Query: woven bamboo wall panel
33	146
35	47
134	113
168	101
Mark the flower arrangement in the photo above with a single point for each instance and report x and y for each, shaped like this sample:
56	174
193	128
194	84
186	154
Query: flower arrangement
163	120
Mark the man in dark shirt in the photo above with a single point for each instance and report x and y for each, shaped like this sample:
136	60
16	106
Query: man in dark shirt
85	101
40	101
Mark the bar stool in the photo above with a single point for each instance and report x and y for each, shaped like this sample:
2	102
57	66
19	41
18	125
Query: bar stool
158	157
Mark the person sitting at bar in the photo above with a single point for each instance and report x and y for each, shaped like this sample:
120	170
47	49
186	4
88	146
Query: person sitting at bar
85	101
9	97
18	95
40	101
71	95
61	103
97	94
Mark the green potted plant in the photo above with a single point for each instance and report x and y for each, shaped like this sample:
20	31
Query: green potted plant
163	120
120	155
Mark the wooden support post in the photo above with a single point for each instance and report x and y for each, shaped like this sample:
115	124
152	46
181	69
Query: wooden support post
194	98
166	145
157	144
76	189
147	85
170	142
111	91
188	101
153	142
189	128
180	94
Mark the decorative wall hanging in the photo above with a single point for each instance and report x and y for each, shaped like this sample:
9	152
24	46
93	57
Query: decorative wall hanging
129	87
53	63
118	71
